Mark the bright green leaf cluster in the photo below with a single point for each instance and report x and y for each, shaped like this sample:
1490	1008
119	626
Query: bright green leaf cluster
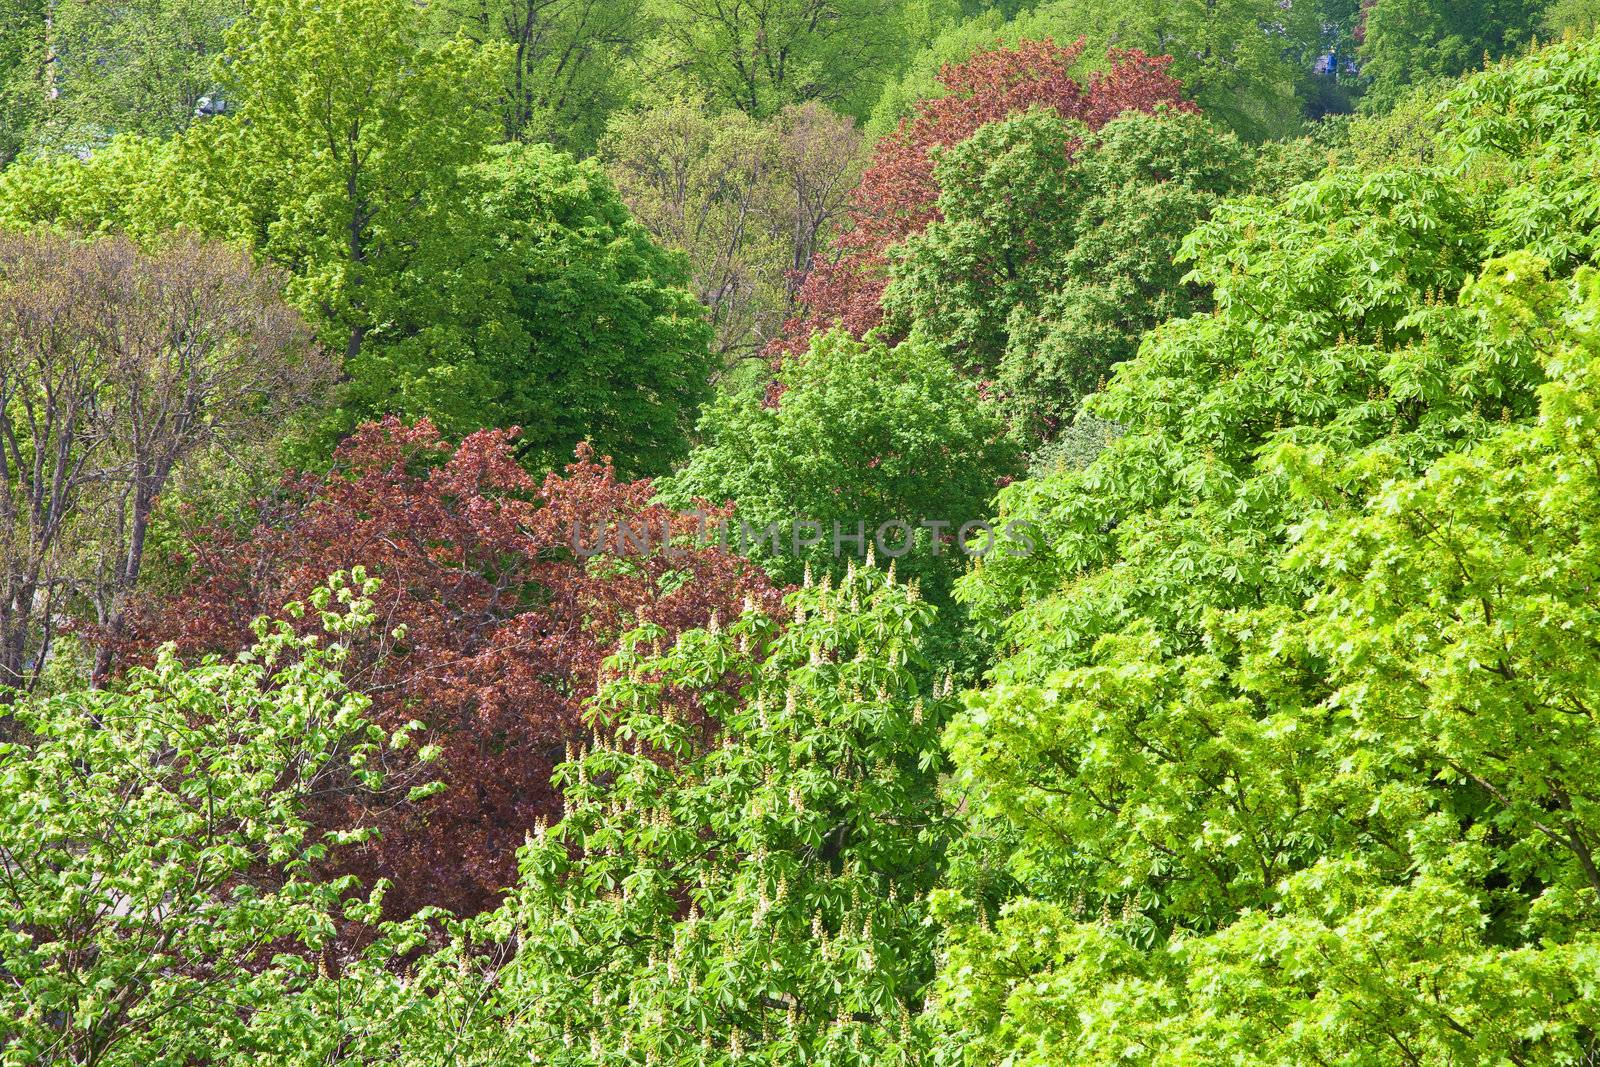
156	873
748	886
1288	757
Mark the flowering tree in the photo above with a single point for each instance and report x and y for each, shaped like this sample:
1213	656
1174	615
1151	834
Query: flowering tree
133	824
763	901
897	194
493	625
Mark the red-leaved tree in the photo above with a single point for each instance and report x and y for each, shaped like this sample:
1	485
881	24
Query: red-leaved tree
897	195
492	627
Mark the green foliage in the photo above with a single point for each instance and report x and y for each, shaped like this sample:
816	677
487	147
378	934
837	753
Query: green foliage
139	68
954	43
1242	74
862	434
349	157
1411	43
347	160
759	57
1299	678
155	884
126	186
1563	18
470	284
1075	447
1528	132
1049	262
1296	836
1408	133
1286	750
566	67
74	75
757	899
569	322
749	202
23	92
1006	215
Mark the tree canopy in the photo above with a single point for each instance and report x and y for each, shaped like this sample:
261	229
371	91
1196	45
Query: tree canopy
1204	679
897	195
1054	250
763	899
961	535
1243	61
858	435
157	856
501	596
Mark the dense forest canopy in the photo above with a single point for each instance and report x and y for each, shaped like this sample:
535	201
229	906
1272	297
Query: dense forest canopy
929	534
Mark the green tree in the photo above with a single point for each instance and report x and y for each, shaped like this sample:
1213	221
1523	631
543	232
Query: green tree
566	72
582	328
1375	817
155	855
759	57
1055	248
1535	162
1407	133
759	898
1457	617
750	203
349	159
24	89
126	186
1240	60
861	435
1216	824
145	67
1577	17
471	284
1406	43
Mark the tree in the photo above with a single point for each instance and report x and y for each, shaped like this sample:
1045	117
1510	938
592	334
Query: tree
1408	133
75	75
1450	615
762	899
569	321
24	95
349	157
348	160
501	596
126	187
1243	61
1406	43
760	57
750	203
897	195
157	849
145	68
115	368
1055	250
1253	678
479	286
566	72
1575	17
864	435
